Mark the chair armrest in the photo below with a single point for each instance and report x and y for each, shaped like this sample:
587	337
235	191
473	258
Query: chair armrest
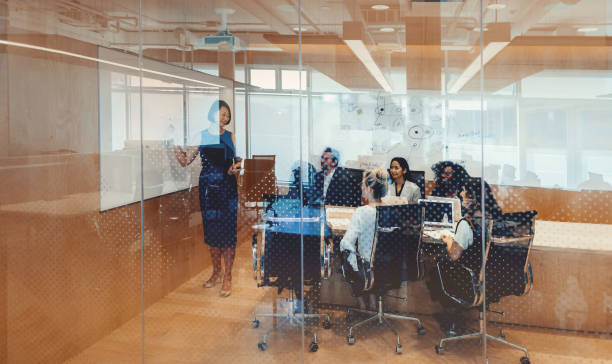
528	279
326	258
344	258
255	258
474	281
389	229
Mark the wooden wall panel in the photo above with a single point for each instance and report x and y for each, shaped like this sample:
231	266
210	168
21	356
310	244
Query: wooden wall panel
571	291
70	274
586	206
4	130
53	105
74	273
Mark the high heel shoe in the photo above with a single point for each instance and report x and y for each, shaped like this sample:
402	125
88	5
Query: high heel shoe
228	291
212	281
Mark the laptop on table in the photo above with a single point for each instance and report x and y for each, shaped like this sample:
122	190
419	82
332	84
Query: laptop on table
438	218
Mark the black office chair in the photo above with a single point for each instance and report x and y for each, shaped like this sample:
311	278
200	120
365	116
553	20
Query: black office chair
344	188
462	281
399	229
277	256
508	272
418	178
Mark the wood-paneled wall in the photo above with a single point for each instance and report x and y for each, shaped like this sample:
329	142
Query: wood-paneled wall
4	130
70	274
586	206
74	273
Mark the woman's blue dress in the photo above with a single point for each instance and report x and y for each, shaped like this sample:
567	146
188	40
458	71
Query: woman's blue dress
218	191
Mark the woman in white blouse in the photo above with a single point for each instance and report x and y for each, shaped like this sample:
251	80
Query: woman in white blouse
363	222
400	186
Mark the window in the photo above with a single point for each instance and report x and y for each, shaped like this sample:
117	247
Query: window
265	79
291	80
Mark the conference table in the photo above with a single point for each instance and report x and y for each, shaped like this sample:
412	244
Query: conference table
572	280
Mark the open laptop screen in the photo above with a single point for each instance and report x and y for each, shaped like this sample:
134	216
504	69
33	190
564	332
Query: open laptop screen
438	213
456	205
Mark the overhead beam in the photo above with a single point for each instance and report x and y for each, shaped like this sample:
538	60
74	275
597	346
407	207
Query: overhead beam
352	34
424	58
530	14
256	9
306	13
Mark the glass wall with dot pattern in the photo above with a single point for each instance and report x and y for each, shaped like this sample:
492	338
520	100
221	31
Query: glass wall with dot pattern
70	265
307	181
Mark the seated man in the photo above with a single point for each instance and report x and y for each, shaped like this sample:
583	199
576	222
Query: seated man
335	185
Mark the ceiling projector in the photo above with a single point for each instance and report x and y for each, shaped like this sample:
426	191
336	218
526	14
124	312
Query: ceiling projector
222	36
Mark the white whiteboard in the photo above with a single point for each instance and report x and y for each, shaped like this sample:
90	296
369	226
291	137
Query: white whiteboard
175	103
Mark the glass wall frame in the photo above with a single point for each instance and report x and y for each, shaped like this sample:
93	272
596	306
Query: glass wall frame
102	253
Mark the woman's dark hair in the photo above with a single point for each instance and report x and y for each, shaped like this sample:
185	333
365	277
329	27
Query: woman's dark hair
473	187
458	179
404	165
473	190
215	107
459	173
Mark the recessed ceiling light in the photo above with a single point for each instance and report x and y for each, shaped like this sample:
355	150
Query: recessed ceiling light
586	29
380	7
496	6
387	30
477	29
304	29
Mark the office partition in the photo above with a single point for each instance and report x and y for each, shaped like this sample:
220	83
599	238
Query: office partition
110	201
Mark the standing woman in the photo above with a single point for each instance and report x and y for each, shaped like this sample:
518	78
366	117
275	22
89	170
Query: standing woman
400	185
218	191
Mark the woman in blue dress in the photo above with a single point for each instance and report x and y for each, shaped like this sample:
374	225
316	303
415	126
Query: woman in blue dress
218	191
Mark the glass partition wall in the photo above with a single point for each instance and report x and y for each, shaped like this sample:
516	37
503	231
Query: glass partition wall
545	93
227	181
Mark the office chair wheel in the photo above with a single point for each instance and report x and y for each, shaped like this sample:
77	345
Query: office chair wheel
399	350
525	360
350	340
262	346
421	331
327	325
255	323
439	349
314	347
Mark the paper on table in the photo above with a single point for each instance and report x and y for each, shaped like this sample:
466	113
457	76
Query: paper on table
437	234
345	210
339	221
